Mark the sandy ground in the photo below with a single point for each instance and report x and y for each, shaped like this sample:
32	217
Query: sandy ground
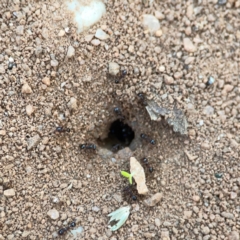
43	86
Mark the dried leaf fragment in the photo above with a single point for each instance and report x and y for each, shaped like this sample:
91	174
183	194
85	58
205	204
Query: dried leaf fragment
138	174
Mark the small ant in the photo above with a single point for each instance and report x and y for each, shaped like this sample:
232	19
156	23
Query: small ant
129	190
147	138
64	230
122	75
118	112
62	129
146	163
116	147
142	98
88	146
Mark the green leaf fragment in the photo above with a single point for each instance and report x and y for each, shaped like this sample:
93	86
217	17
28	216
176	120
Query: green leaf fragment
127	175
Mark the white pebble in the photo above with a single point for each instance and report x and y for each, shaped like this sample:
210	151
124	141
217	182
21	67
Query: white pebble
150	23
70	52
54	63
29	109
188	45
9	192
113	68
95	42
100	34
53	214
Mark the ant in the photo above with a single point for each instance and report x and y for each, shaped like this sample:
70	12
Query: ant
116	147
62	129
88	146
142	99
146	163
64	230
118	112
147	138
129	190
122	75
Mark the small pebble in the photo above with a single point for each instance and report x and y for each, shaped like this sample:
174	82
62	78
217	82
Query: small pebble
33	142
150	23
9	192
152	201
113	68
188	45
96	209
53	214
70	52
26	89
29	109
234	235
61	33
46	81
222	2
95	42
2	132
100	34
227	215
157	222
168	80
72	104
205	230
54	63
20	30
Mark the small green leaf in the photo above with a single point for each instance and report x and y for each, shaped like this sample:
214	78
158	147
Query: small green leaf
125	174
130	179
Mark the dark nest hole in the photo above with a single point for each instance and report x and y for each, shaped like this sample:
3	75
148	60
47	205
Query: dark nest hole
120	135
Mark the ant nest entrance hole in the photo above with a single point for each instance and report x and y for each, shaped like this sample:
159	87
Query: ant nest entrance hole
120	135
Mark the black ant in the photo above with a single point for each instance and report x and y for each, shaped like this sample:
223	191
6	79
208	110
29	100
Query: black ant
88	146
64	230
118	112
147	138
62	129
146	163
122	75
116	147
142	99
129	190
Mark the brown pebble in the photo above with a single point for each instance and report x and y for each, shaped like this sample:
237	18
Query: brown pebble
46	81
153	200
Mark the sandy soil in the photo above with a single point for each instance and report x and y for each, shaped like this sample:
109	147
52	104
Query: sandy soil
43	87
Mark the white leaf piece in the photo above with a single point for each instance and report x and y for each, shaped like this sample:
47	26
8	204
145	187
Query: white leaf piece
119	216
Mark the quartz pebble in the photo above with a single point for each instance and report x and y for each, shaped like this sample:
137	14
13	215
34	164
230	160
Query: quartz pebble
150	23
9	192
227	215
153	200
53	214
188	45
26	89
29	109
70	52
100	34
